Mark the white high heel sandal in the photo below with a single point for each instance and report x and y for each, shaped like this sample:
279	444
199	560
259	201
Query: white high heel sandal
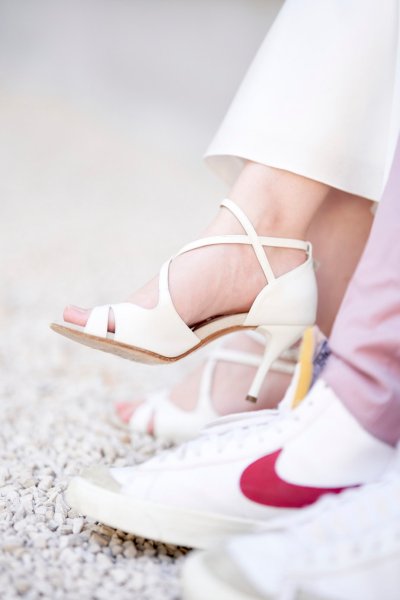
283	309
174	424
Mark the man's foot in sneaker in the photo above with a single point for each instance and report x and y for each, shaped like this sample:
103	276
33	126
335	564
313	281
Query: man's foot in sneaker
234	481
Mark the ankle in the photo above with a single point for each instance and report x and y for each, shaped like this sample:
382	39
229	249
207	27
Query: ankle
272	225
283	260
277	202
266	223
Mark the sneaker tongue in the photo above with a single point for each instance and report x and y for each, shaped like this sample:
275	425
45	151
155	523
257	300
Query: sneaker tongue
313	354
304	369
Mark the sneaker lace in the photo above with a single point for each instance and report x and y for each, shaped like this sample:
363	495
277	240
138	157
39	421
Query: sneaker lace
238	437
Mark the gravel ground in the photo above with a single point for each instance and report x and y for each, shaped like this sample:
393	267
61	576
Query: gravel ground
98	185
57	397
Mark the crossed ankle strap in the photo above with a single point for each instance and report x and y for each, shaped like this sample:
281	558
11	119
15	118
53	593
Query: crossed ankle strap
250	238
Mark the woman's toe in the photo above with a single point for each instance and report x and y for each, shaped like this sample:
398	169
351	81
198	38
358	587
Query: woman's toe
79	316
125	410
76	315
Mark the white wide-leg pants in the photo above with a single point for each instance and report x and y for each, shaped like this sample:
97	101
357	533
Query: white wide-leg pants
321	98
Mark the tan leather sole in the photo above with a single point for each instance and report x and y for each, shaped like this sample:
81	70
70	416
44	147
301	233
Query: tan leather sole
132	352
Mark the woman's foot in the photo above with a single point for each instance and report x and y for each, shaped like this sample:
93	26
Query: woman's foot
230	383
210	281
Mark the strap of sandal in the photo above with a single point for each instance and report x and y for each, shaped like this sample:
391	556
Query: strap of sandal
250	238
253	237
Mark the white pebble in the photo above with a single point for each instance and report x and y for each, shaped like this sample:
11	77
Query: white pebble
120	576
130	551
115	549
137	581
45	483
22	586
77	525
28	483
98	538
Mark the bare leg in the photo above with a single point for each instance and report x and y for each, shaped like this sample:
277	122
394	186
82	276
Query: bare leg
339	232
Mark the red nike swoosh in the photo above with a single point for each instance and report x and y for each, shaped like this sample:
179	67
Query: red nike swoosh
261	483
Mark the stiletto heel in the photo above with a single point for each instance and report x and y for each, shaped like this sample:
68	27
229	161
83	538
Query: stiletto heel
279	337
159	334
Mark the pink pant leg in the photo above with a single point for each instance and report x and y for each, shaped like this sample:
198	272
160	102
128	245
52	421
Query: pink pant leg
364	368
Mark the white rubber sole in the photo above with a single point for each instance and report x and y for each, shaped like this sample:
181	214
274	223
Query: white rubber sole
96	494
200	583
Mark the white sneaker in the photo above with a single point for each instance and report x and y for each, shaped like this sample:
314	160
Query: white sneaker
232	482
345	547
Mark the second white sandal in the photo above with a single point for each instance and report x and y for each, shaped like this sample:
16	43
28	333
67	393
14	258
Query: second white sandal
171	423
